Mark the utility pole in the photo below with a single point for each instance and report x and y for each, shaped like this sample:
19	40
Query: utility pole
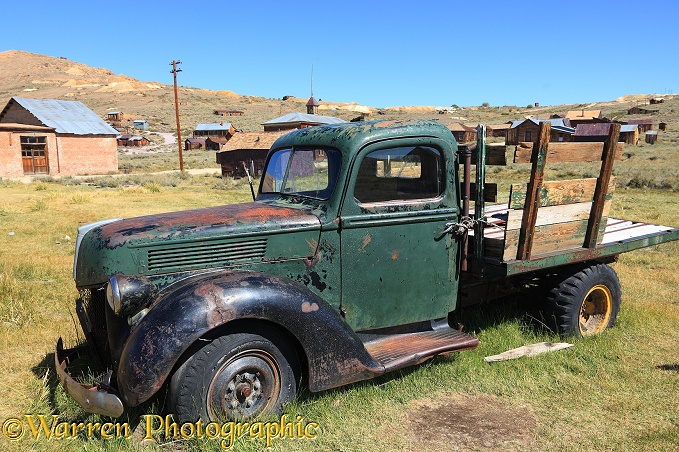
176	109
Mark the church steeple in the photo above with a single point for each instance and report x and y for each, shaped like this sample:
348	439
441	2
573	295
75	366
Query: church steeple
312	103
312	106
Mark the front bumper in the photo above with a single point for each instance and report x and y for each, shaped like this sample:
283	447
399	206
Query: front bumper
99	399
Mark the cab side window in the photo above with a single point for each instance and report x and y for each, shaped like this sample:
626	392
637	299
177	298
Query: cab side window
401	173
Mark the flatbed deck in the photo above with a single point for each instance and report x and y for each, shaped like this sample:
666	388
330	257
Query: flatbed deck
620	236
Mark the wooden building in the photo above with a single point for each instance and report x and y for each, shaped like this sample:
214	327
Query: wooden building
527	130
651	136
138	141
55	137
576	117
599	133
246	149
115	118
229	112
121	140
656	100
215	143
644	124
642	111
293	121
498	130
222	129
463	133
662	126
194	143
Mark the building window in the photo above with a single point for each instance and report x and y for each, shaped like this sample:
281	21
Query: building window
34	154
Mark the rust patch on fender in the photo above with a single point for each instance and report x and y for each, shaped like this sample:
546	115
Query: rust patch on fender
309	307
220	308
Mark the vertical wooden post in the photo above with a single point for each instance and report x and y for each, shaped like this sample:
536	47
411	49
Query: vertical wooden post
479	206
176	109
530	209
601	189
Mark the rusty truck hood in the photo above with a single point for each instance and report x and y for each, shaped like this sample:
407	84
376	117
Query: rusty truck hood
232	220
223	236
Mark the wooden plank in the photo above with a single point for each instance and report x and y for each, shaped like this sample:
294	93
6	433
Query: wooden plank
539	161
554	193
601	191
639	230
548	239
489	194
552	215
496	154
568	152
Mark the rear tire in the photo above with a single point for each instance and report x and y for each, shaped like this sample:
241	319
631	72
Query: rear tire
240	376
587	302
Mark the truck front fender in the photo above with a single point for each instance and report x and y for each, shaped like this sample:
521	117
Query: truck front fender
196	306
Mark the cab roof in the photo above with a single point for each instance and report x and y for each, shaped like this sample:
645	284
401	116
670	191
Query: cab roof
356	135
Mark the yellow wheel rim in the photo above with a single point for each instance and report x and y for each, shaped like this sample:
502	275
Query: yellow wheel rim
595	311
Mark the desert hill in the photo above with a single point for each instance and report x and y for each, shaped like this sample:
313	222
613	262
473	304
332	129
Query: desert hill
25	74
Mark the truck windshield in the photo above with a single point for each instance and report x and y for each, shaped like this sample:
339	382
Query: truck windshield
302	172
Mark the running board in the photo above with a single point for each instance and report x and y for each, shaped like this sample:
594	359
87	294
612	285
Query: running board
394	351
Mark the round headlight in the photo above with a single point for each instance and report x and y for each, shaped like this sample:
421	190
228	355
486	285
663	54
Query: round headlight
127	294
113	294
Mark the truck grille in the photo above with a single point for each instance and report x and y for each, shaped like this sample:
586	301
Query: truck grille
205	255
94	301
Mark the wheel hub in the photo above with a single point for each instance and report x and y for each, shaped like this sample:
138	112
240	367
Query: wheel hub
244	390
595	311
244	386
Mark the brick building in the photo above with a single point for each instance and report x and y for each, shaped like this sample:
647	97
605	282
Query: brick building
55	137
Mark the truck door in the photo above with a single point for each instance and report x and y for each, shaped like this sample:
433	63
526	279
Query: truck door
397	266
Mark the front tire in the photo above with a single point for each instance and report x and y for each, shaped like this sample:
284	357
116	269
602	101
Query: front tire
587	302
240	376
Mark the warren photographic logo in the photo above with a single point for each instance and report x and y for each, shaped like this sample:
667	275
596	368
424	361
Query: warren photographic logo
158	429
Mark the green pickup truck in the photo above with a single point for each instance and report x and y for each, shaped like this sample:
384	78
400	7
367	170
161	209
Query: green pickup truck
363	240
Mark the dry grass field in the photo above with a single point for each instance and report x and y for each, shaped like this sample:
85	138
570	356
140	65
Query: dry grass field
616	391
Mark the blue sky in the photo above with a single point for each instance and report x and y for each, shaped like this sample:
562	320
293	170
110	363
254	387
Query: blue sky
374	53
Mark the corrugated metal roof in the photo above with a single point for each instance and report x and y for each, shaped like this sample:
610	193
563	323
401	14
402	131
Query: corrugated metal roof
304	117
628	128
592	130
66	116
217	126
561	124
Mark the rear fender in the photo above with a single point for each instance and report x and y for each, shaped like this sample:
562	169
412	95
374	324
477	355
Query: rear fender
199	305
